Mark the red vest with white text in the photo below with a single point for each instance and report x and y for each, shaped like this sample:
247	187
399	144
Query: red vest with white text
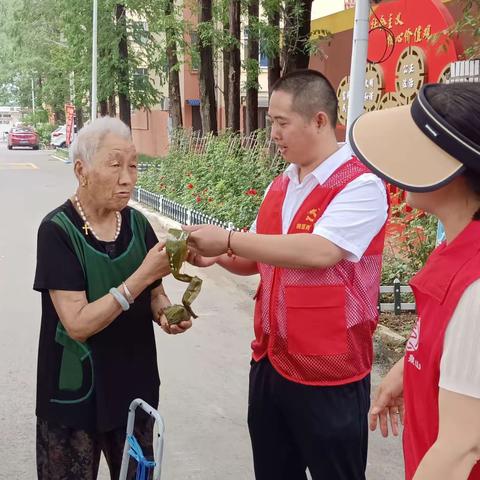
316	325
438	288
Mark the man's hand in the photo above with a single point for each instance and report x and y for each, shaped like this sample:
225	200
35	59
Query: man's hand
388	401
198	260
207	240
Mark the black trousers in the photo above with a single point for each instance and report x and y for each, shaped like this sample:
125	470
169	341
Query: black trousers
294	426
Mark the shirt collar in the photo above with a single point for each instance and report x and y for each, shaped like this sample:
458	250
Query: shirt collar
323	172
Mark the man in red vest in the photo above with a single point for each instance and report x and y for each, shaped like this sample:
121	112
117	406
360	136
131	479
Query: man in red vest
317	243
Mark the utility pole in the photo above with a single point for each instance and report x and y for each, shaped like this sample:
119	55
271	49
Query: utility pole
359	61
33	103
93	99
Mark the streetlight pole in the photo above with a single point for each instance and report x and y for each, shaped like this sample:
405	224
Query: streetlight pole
359	61
33	102
94	61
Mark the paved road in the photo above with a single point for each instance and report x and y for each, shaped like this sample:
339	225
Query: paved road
204	373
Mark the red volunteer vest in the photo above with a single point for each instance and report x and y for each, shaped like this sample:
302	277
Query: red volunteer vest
316	325
438	288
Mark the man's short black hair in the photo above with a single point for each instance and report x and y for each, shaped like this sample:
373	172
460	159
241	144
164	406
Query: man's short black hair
311	93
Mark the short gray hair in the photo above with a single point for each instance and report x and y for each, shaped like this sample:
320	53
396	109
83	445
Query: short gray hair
90	136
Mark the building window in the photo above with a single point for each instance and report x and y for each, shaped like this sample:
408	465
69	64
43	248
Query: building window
140	32
194	54
141	79
263	60
262	56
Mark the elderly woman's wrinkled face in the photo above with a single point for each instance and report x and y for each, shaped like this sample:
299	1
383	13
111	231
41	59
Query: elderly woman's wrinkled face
113	173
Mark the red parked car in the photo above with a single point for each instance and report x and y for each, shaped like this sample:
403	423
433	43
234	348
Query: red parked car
23	137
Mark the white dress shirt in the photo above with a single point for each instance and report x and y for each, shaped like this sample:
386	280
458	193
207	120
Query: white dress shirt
355	215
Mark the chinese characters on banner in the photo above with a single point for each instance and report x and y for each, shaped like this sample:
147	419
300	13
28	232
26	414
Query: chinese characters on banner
403	38
407	35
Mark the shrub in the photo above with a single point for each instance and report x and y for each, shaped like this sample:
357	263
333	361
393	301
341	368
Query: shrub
411	237
44	131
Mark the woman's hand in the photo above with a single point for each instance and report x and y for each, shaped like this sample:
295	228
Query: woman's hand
156	263
172	329
160	301
388	401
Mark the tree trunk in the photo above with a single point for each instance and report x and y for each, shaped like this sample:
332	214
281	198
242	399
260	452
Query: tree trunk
274	60
208	104
295	54
251	123
112	106
234	70
79	118
103	108
174	93
226	68
302	59
123	73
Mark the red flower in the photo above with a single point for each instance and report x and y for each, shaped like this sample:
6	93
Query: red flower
251	191
198	199
190	186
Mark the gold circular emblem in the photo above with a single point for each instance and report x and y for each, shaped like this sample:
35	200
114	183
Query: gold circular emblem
389	100
342	95
410	74
445	75
373	86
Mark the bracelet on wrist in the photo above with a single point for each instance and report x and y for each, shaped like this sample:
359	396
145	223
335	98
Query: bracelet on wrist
128	295
229	246
117	295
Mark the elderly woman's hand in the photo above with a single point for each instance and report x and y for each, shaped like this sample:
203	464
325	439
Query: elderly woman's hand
156	264
160	301
172	329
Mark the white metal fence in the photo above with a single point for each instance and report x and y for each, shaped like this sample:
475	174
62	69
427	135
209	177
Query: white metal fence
176	211
397	306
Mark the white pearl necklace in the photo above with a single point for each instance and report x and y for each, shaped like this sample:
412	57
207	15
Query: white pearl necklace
86	227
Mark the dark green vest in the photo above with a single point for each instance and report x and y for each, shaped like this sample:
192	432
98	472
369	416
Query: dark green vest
101	274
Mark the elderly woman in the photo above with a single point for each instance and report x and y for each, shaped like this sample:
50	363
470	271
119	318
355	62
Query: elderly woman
439	377
99	270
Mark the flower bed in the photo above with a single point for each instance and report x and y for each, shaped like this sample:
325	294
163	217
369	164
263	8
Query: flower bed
223	179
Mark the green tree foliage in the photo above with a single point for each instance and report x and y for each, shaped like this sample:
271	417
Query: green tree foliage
50	41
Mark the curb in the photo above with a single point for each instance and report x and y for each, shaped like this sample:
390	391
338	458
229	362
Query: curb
388	346
389	337
159	222
64	160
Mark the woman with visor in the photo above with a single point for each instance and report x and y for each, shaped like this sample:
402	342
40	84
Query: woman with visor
435	388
